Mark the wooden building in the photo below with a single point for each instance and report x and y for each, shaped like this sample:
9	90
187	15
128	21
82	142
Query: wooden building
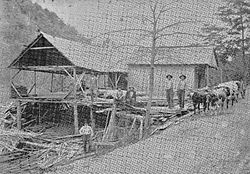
52	69
197	63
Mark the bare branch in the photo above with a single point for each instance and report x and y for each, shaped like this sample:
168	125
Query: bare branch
138	18
163	10
183	33
174	24
128	45
153	9
123	30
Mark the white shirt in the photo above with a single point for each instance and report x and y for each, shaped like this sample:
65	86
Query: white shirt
182	84
86	130
169	84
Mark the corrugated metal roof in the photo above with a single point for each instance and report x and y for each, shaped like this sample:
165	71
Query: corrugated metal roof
178	56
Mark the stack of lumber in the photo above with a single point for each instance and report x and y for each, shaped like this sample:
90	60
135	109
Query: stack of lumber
30	152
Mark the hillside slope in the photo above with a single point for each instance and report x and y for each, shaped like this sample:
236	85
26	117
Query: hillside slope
20	21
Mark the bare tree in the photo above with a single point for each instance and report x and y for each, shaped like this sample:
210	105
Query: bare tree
154	29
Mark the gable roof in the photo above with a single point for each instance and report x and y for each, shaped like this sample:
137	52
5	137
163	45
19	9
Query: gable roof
61	52
177	56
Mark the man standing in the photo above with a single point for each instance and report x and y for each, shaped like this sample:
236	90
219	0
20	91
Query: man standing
170	91
131	96
87	133
182	85
119	96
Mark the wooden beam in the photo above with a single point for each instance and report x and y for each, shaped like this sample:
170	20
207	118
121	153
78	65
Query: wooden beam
16	74
68	93
221	75
117	81
111	82
207	75
51	84
41	48
69	73
39	113
75	103
110	128
132	126
92	101
12	84
62	82
19	115
31	88
35	81
27	49
79	82
141	129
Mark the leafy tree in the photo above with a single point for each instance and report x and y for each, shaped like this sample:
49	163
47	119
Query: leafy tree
233	36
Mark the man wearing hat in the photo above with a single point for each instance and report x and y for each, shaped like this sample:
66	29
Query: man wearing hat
181	88
131	96
87	133
170	91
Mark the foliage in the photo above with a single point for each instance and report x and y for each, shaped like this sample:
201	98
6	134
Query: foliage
233	36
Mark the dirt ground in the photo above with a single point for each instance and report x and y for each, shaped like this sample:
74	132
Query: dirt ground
202	144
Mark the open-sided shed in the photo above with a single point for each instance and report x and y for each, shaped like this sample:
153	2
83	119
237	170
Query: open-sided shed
55	56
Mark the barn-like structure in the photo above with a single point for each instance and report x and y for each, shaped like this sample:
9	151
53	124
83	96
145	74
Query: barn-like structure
51	71
197	63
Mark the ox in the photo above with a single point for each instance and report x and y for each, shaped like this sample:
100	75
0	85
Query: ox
201	97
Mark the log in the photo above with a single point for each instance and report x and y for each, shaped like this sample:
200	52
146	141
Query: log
69	137
19	115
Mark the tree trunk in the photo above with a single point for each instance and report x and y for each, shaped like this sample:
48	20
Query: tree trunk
151	81
246	65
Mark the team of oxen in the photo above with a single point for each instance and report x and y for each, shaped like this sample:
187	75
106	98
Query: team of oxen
215	99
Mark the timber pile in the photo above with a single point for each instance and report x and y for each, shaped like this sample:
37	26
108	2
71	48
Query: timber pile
29	152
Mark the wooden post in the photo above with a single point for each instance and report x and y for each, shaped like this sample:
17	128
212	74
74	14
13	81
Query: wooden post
35	81
51	85
207	74
75	103
141	129
221	75
39	114
62	82
93	86
115	80
19	115
110	128
132	126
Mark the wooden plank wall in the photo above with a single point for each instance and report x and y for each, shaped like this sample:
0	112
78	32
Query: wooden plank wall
138	76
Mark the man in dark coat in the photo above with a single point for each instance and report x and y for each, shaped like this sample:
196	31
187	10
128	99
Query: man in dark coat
131	96
170	91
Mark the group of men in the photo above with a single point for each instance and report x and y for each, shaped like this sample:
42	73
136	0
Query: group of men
181	89
129	98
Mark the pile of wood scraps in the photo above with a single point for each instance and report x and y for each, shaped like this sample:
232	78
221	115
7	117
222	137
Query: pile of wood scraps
23	152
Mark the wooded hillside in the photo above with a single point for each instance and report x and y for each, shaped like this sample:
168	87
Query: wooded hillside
20	21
